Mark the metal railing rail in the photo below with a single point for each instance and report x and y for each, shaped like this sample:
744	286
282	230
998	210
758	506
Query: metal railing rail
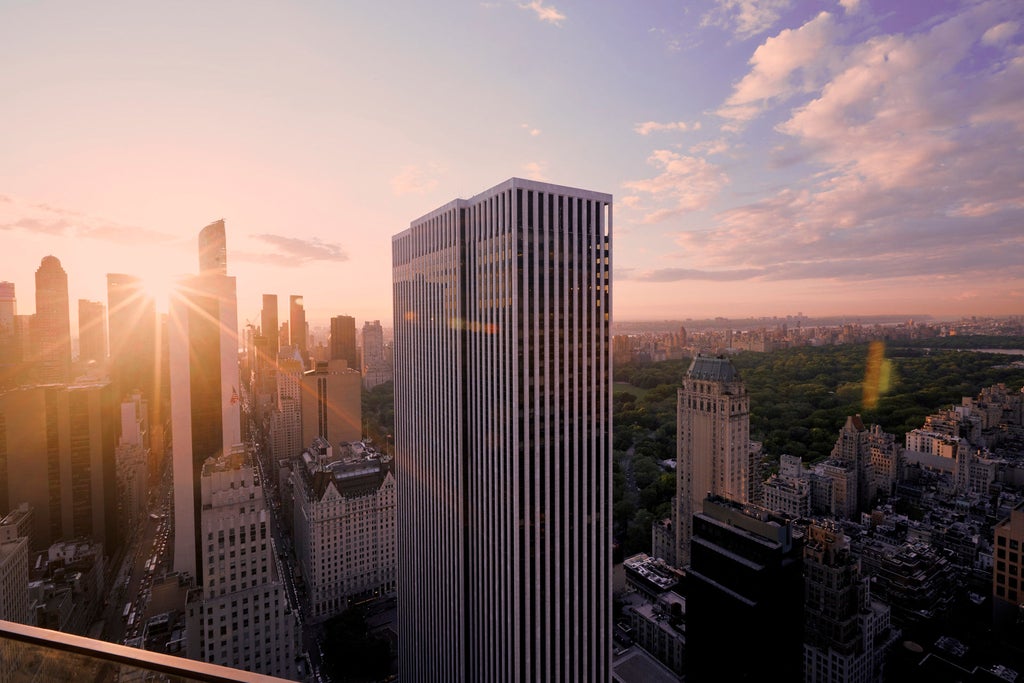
112	653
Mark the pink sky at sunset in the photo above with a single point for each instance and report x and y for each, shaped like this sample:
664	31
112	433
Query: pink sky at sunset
765	158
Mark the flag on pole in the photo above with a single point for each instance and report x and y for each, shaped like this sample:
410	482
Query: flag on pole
234	396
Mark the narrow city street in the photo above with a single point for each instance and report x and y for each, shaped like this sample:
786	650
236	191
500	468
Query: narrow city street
311	634
146	554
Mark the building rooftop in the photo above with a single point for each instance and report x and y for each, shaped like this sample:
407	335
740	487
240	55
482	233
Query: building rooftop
354	467
225	462
636	665
714	369
651	570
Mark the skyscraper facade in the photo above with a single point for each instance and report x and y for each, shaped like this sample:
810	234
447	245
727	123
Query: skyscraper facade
92	331
57	446
376	362
51	325
10	342
205	403
241	617
744	577
331	403
297	327
343	340
344	529
502	309
713	450
846	633
286	416
268	323
1007	593
14	605
8	307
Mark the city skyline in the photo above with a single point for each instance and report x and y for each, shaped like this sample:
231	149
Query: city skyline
765	159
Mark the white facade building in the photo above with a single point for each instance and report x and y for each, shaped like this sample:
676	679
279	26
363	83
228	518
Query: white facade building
344	525
713	448
286	417
240	617
790	496
13	575
502	351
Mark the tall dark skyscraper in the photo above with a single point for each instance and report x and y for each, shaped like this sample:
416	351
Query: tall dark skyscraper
297	326
57	454
503	419
92	331
343	340
8	307
10	342
51	325
268	324
744	577
205	403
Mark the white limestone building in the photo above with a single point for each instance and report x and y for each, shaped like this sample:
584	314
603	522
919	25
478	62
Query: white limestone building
713	448
344	525
240	617
13	575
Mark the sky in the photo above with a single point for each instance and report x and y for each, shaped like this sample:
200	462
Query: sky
766	158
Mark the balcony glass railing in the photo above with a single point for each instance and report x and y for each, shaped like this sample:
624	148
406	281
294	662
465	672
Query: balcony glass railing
39	655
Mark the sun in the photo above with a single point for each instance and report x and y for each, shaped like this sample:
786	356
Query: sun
158	286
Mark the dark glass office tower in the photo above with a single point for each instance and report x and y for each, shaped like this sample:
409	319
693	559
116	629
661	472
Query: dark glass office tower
744	596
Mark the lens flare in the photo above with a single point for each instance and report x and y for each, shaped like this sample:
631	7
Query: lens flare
877	374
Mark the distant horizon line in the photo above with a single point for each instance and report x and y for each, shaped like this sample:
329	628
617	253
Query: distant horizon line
848	317
852	317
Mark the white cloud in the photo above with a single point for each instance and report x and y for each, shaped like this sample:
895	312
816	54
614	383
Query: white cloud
534	132
293	251
850	6
686	183
912	151
745	18
648	127
710	147
632	201
544	12
46	219
536	170
1000	33
413	179
792	62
